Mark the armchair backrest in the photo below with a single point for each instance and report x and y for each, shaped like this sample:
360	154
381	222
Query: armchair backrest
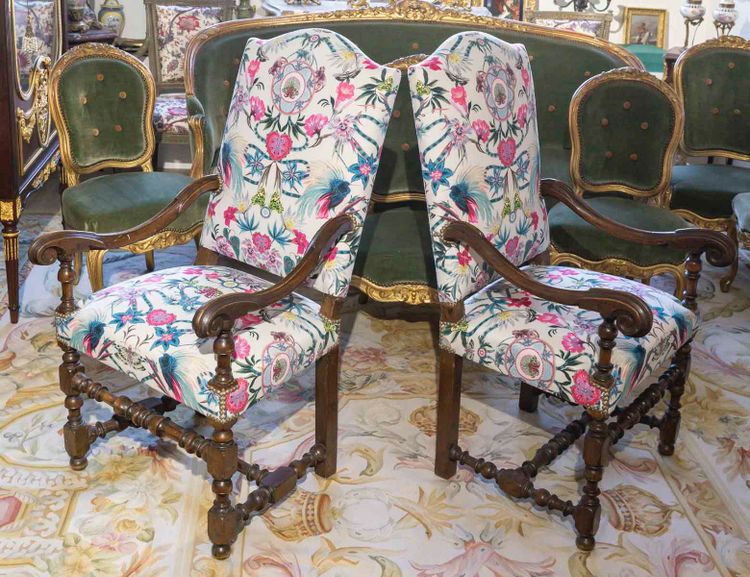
625	127
171	25
102	102
302	143
475	113
713	82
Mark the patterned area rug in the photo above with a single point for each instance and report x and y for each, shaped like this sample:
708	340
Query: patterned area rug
139	509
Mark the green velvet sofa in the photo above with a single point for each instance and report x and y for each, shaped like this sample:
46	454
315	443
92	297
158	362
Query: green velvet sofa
395	262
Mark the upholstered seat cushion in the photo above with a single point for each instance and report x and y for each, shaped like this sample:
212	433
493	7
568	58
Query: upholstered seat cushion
555	347
572	234
143	328
741	205
115	202
170	114
708	189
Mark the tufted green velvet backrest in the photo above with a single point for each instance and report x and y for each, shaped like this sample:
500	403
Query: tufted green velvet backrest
625	128
713	81
102	101
561	61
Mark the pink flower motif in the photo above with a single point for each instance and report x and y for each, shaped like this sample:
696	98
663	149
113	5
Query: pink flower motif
572	343
194	270
481	129
526	77
252	68
315	123
549	319
257	108
300	239
262	242
583	392
511	247
522	114
209	292
230	215
344	92
523	301
458	95
248	320
433	63
188	23
159	317
506	150
116	542
237	401
241	348
535	220
331	256
464	257
369	64
212	208
278	145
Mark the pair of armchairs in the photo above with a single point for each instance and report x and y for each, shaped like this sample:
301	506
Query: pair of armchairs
296	169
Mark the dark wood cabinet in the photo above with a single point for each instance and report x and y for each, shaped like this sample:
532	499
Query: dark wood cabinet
32	40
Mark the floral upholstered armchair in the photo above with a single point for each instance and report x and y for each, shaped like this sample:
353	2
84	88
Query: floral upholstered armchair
588	338
171	25
298	159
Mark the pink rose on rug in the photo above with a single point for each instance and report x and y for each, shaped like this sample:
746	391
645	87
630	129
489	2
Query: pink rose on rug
315	123
252	68
241	348
481	129
237	400
159	317
261	241
278	145
458	95
583	392
572	343
230	215
344	92
522	114
506	150
257	108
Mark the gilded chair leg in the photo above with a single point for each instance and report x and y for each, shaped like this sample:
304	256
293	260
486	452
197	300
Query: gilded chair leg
670	426
150	261
327	409
726	281
75	432
224	520
528	400
95	267
588	510
448	412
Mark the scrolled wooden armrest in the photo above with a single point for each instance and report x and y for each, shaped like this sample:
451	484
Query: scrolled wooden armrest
51	246
718	247
219	313
632	316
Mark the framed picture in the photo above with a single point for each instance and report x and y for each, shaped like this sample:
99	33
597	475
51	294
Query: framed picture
645	26
511	9
591	23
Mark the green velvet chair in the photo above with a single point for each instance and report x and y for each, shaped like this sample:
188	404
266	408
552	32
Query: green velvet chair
713	82
625	126
102	100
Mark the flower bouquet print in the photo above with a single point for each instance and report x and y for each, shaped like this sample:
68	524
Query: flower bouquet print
301	145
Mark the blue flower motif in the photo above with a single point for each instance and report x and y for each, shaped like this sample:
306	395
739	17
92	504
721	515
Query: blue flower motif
365	166
293	174
494	179
437	174
254	162
130	316
166	337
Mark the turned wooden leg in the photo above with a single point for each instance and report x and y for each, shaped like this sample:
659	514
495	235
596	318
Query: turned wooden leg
10	250
726	281
224	522
150	265
75	432
448	412
327	409
670	426
528	400
588	510
95	267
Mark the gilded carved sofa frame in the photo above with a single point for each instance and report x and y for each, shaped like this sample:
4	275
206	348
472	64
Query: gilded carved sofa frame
404	11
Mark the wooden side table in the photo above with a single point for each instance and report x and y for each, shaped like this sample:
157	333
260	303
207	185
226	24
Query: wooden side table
669	60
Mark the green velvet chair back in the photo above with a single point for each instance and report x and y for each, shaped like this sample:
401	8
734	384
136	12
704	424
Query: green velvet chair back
713	82
561	61
625	126
102	102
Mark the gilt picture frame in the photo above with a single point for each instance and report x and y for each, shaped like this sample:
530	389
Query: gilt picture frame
647	26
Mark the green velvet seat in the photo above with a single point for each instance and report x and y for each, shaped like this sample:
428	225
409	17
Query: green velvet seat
708	189
116	202
572	234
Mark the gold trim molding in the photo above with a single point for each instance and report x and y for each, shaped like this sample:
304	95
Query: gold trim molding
407	293
165	239
10	210
45	173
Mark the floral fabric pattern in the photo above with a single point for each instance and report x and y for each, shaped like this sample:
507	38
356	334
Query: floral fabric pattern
302	142
170	114
143	328
555	347
475	114
175	27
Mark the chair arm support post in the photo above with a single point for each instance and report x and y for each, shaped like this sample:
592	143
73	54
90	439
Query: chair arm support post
718	247
607	335
48	247
211	317
693	268
630	314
